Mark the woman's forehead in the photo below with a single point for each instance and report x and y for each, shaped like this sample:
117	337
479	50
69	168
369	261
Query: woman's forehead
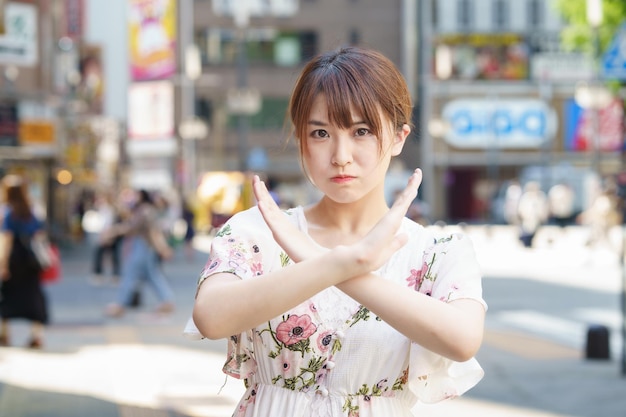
323	110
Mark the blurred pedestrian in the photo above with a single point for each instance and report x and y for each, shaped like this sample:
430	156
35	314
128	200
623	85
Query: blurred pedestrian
21	292
512	196
143	244
601	216
533	212
561	200
189	217
345	307
107	243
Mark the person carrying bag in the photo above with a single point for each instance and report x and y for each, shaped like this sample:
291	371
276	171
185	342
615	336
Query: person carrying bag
21	293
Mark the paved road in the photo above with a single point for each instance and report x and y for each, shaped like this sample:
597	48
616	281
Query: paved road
541	302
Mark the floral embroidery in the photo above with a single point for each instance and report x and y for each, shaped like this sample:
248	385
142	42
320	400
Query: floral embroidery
379	389
295	329
323	341
362	314
225	230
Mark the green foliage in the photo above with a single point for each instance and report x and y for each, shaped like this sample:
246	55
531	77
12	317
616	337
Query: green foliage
577	35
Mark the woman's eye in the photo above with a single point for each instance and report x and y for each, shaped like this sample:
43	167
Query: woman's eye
320	133
362	132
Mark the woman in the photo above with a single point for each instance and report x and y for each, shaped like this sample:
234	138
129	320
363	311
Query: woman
345	307
142	247
21	292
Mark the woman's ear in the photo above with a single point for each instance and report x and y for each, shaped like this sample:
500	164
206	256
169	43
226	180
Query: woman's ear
399	139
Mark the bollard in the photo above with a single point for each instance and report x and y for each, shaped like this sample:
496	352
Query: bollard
598	342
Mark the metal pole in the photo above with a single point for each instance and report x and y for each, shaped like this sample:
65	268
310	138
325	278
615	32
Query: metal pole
242	84
595	110
425	105
623	299
187	94
408	37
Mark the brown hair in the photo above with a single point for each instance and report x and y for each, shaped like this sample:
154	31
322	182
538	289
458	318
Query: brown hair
351	78
16	196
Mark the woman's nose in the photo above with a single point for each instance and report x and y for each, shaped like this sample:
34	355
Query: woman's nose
342	154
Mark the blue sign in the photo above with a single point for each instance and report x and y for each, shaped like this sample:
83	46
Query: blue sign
614	59
523	123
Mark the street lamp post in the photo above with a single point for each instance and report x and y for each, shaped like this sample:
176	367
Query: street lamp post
191	128
594	18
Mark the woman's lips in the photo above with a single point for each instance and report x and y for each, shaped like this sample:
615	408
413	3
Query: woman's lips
340	179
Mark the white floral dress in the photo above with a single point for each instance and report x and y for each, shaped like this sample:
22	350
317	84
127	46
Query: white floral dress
330	356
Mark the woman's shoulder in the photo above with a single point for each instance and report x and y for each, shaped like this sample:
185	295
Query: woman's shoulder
434	239
252	218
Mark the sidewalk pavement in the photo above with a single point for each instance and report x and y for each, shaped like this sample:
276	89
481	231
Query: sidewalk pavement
140	365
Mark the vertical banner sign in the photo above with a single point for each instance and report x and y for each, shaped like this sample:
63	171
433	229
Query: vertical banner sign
152	37
18	45
580	134
2	26
74	18
151	110
8	123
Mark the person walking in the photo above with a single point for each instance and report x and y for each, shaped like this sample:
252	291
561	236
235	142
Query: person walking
107	243
533	211
602	215
143	244
21	292
345	307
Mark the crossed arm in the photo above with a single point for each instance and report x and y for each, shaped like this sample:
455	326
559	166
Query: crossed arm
226	305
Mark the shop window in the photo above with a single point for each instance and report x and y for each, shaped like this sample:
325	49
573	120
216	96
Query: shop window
500	15
270	117
465	14
264	46
535	14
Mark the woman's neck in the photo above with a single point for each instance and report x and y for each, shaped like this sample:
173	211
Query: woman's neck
336	223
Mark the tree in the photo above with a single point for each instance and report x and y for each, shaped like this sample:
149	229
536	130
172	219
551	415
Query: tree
578	35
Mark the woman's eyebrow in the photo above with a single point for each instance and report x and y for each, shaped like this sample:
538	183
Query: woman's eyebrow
320	123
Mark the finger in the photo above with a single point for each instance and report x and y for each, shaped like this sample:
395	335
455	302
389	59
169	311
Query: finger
262	195
406	197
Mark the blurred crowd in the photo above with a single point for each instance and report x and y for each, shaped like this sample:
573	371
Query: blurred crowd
529	207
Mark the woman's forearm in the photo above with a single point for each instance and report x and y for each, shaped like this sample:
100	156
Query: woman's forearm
454	329
226	305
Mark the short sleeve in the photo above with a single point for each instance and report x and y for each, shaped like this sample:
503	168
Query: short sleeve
450	271
243	247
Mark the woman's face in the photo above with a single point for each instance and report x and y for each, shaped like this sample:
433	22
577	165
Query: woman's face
348	164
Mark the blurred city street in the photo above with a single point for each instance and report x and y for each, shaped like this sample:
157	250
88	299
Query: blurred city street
541	303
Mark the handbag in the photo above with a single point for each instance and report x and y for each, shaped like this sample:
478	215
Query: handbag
42	250
52	273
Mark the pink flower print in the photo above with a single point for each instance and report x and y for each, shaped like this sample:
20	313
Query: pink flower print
417	276
257	268
211	265
313	308
235	255
427	287
287	368
323	341
295	329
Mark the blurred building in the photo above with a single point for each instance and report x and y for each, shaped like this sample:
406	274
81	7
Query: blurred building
497	96
52	129
156	93
254	55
